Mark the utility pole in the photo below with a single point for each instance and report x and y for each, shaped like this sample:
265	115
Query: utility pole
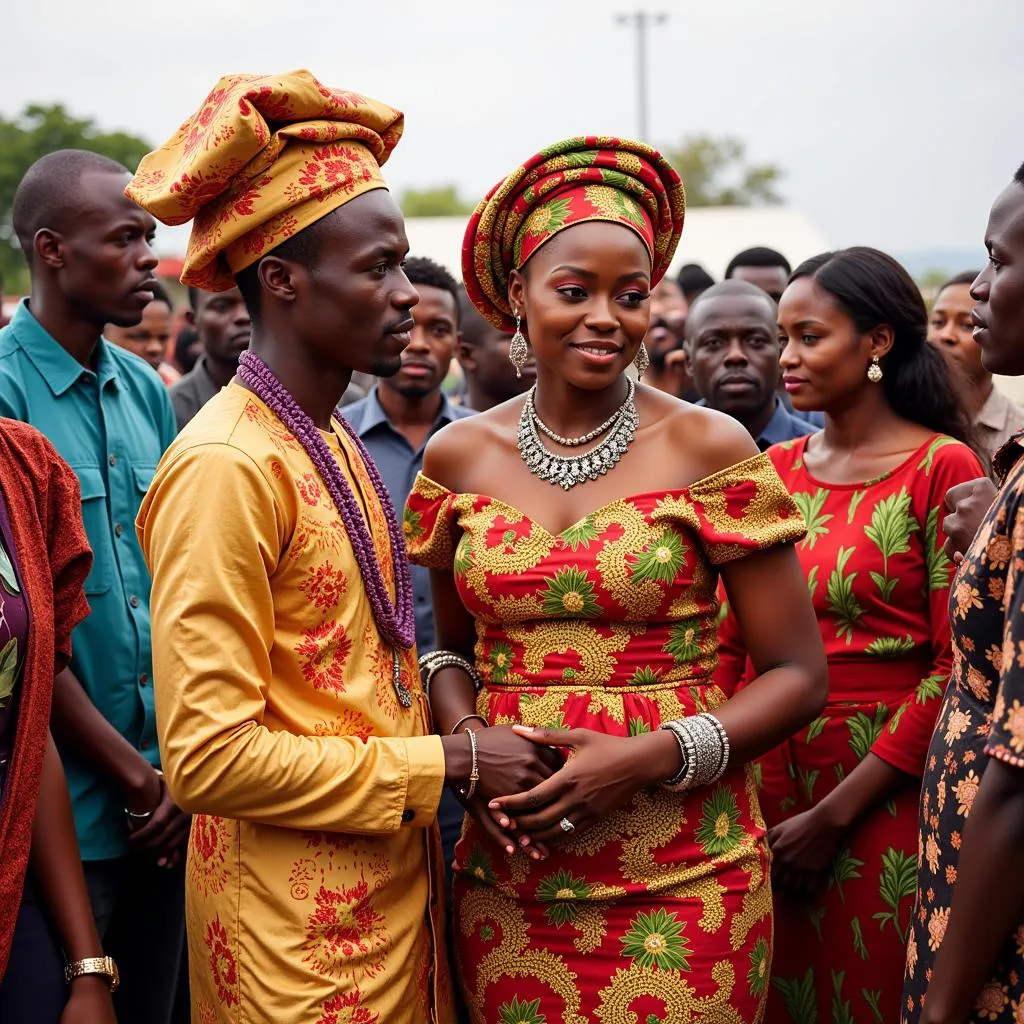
640	20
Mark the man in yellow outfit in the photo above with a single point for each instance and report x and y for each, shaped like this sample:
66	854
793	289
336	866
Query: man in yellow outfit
290	713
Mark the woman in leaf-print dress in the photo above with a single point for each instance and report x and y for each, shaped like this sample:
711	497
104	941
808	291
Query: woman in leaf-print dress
591	616
840	797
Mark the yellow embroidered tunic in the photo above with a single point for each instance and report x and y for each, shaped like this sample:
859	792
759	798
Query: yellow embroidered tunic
312	893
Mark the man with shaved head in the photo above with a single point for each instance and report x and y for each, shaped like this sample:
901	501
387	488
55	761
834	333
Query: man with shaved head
107	413
732	355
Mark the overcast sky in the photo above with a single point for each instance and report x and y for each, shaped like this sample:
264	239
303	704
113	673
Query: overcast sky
896	121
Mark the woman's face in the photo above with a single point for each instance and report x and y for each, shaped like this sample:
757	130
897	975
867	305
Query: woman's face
824	359
951	331
584	298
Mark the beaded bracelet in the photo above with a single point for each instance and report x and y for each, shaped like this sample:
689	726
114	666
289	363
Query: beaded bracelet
724	737
704	745
683	779
432	663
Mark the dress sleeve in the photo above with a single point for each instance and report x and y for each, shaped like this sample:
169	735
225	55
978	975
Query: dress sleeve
429	524
904	742
1006	738
744	509
212	606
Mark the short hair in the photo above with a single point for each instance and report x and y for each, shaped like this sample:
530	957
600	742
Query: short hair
759	256
1019	176
193	297
693	279
472	325
52	185
727	288
964	277
421	270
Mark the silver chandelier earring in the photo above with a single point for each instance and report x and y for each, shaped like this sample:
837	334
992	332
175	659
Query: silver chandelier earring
641	360
518	353
875	371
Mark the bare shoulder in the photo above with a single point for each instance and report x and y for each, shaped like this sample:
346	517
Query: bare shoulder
462	443
712	440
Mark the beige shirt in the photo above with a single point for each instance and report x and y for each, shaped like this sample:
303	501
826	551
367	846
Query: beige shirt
997	421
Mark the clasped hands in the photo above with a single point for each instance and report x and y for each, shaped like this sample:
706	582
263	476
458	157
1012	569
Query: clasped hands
534	779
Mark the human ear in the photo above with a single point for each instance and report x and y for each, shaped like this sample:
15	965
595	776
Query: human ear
882	340
279	278
517	293
49	248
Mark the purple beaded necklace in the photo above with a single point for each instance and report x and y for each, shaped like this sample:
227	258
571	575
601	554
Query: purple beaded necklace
395	622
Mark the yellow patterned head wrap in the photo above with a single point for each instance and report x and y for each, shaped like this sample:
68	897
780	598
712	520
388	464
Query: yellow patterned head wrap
264	157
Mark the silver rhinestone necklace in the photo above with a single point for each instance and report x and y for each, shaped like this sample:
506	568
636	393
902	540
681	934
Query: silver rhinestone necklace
566	471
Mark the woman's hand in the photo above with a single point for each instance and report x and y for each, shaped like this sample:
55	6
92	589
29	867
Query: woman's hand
803	848
90	1002
602	774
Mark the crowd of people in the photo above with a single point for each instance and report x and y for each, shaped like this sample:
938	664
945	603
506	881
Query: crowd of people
569	642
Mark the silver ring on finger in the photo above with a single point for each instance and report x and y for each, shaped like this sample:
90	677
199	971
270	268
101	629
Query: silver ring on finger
567	826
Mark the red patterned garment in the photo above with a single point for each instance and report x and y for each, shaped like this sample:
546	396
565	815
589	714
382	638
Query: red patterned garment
664	912
879	582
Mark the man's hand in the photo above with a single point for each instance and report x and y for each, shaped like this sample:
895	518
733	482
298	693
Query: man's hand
967	504
165	832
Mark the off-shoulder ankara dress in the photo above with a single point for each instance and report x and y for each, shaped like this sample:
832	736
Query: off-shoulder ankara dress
663	912
879	582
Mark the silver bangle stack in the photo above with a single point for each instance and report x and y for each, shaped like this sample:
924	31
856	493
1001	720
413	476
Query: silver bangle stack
432	663
704	744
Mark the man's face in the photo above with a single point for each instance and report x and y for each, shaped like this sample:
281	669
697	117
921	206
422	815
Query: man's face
998	292
769	279
733	354
483	355
223	326
428	357
148	338
668	322
103	257
353	303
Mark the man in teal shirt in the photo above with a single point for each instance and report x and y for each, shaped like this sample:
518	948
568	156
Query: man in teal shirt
108	415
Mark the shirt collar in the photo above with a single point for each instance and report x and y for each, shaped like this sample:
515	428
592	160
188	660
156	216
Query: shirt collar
56	366
779	427
374	414
993	414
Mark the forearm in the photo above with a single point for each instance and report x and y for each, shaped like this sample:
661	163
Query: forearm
988	899
79	727
57	866
870	784
772	708
452	698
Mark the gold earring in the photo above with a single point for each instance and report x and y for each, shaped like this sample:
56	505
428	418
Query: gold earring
518	353
875	371
641	360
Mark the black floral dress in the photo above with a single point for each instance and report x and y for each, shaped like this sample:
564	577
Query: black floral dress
982	717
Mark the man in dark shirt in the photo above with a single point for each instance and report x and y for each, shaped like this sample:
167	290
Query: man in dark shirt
223	327
732	353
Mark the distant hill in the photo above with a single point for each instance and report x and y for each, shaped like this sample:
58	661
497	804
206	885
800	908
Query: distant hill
947	261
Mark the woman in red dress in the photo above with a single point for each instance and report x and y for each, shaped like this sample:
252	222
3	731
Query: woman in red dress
587	610
840	798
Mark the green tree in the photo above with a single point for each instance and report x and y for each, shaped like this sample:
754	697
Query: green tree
442	201
716	173
39	130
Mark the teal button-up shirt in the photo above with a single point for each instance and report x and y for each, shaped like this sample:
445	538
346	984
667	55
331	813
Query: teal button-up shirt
111	426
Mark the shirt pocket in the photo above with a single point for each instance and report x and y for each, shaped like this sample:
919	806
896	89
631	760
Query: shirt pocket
96	517
143	478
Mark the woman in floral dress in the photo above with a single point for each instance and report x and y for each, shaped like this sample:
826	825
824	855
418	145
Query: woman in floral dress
840	797
589	612
965	957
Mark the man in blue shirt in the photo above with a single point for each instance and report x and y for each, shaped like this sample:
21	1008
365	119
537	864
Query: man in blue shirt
732	354
107	414
395	421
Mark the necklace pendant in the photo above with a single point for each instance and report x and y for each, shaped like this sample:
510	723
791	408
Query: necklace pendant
401	690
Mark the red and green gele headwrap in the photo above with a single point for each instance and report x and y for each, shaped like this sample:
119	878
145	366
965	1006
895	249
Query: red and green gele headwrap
587	178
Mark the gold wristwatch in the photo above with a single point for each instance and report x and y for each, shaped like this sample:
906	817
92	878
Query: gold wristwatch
103	965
